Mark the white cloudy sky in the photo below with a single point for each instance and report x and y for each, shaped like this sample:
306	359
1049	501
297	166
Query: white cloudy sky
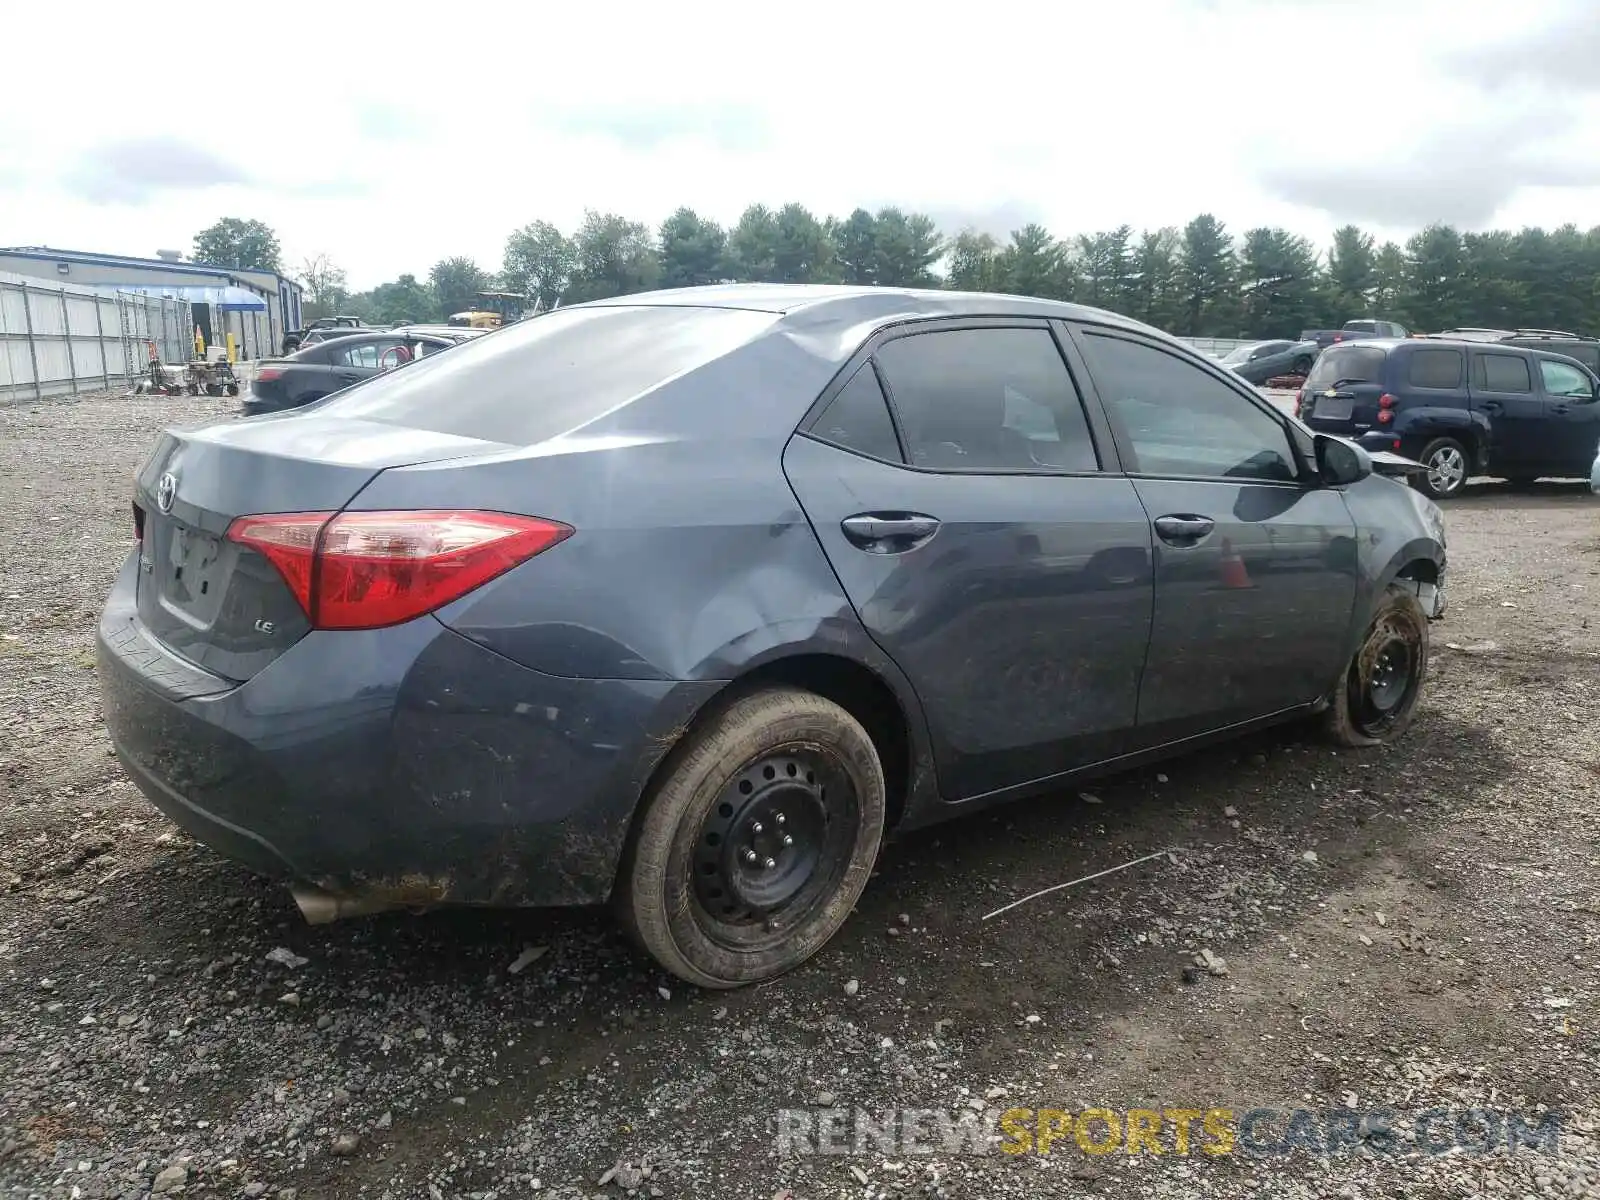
389	136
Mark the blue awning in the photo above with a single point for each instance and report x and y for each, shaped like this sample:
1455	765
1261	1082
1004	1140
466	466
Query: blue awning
228	299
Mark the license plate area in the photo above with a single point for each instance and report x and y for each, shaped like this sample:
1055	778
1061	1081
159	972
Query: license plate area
1334	408
193	572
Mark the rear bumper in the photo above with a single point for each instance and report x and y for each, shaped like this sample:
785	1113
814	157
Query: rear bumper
408	764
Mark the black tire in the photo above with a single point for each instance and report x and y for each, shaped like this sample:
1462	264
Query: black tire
1449	464
1302	366
692	892
1377	696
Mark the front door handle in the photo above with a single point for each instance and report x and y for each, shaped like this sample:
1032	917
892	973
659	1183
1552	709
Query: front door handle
1183	530
1560	410
889	533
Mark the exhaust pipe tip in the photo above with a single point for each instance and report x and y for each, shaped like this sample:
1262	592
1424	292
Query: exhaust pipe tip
321	908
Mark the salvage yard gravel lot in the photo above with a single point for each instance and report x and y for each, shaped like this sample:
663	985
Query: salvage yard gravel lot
1415	927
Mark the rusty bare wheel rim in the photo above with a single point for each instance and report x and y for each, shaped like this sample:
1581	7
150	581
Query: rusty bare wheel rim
1386	675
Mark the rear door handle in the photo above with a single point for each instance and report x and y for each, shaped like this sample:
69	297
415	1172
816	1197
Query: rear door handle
889	533
1490	406
1184	530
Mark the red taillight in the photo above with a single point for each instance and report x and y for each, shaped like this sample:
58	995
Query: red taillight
1299	401
1385	415
268	374
138	524
1387	401
1396	445
364	570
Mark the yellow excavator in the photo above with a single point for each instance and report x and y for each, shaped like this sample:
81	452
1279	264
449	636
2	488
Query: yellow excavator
494	310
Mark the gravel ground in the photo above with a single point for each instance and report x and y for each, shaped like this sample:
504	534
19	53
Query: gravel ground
1412	927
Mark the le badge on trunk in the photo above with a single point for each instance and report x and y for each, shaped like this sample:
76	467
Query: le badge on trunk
166	492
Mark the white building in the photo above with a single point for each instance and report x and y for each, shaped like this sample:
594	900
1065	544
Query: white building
257	307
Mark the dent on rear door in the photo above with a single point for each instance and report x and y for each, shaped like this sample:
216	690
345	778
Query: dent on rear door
1022	623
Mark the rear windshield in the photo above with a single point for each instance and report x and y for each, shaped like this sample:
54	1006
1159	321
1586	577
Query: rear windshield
1346	364
546	376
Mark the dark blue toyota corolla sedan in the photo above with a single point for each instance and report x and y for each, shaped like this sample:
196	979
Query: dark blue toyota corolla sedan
684	600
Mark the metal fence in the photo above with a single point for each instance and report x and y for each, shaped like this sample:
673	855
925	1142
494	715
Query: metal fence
59	341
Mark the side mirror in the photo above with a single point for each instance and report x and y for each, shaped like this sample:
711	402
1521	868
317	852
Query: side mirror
1341	462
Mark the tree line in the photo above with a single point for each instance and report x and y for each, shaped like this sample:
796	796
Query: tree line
1200	280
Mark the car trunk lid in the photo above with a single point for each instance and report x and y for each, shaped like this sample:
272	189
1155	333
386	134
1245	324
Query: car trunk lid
223	606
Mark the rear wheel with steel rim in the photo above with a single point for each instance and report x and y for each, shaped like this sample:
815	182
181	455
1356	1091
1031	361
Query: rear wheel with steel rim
757	840
1448	466
1377	698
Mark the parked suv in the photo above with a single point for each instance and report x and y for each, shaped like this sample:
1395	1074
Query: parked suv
1460	407
1574	345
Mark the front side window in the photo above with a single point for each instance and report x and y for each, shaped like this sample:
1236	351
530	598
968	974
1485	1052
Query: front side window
1566	381
1179	420
990	400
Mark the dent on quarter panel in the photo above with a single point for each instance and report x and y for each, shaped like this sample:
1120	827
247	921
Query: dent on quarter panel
689	560
691	555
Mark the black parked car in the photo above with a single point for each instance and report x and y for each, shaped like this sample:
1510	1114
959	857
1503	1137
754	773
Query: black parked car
1574	345
327	366
1258	362
684	600
318	330
1461	408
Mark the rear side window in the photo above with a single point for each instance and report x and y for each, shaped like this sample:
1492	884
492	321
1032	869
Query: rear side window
1434	369
858	419
1505	373
1346	364
546	376
993	400
364	354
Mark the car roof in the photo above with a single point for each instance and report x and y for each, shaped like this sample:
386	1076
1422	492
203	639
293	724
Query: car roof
849	303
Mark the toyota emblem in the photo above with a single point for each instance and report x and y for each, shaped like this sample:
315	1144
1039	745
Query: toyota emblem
166	492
